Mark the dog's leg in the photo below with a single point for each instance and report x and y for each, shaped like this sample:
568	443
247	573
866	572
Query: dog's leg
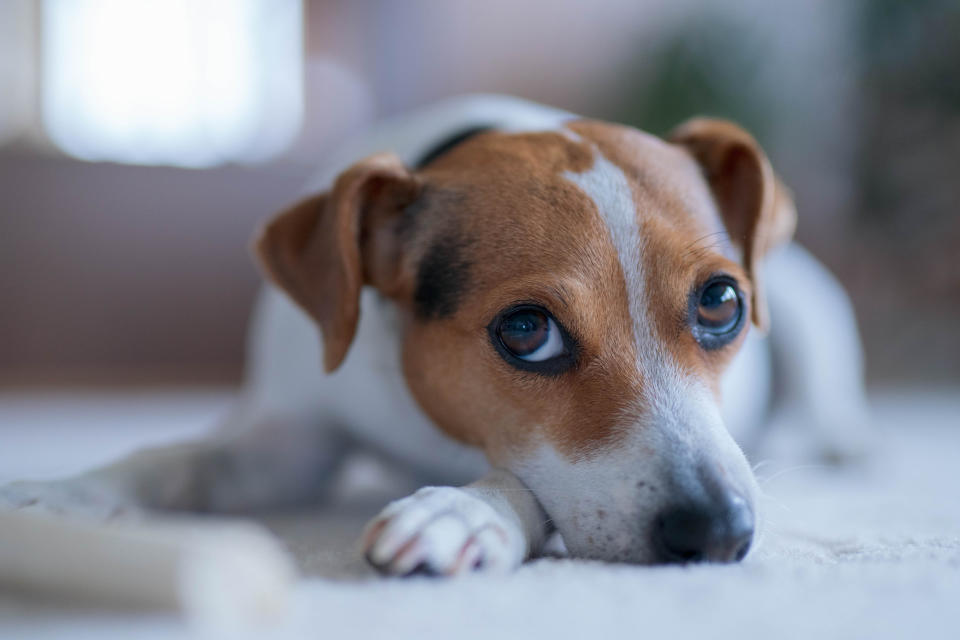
493	524
261	462
817	354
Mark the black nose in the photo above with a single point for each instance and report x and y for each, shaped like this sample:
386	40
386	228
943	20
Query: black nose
708	532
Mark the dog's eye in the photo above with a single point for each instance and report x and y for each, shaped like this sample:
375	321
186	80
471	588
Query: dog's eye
531	335
719	313
529	338
719	307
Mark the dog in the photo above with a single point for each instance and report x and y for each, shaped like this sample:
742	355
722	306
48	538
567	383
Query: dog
572	311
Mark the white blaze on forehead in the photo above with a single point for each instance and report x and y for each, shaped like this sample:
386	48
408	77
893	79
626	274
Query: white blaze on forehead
608	187
680	407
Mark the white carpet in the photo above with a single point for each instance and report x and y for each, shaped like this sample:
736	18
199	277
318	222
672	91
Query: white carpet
871	552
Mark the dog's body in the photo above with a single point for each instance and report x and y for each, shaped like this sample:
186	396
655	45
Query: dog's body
617	440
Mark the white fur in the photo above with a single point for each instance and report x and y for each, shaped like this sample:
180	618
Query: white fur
450	531
411	135
367	395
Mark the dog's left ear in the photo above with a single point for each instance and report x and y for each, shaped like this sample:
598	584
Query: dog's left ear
325	248
757	208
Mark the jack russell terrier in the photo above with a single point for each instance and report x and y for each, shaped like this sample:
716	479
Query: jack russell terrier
551	304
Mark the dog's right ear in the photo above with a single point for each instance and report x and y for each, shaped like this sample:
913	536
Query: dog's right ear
756	207
325	248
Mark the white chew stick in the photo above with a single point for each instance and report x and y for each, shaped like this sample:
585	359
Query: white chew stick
219	572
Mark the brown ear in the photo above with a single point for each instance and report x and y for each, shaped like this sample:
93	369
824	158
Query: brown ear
757	208
324	248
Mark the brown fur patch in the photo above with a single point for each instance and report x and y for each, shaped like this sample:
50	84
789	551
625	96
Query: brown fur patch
533	238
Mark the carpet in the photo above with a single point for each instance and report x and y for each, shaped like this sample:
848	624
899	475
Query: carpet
869	551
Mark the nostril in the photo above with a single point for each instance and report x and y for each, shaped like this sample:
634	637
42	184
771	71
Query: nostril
742	551
739	530
705	532
682	534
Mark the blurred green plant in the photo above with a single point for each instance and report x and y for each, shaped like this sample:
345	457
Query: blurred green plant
709	65
911	48
908	230
910	55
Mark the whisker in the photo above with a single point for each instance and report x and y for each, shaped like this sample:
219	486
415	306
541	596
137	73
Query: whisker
692	247
762	464
802	467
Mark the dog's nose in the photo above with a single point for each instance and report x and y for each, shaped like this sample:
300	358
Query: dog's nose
707	532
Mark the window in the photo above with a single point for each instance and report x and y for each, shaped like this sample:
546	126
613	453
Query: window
191	83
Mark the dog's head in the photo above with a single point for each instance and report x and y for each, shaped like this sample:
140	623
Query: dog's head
570	300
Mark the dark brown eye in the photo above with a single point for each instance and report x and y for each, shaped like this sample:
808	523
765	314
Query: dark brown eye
530	334
716	313
719	308
529	338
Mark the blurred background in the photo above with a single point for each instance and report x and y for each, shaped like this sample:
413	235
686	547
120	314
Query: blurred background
141	141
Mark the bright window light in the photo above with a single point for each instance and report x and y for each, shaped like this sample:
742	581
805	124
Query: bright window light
191	83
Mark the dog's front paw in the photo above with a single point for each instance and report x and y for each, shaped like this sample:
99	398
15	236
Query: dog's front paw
65	498
442	531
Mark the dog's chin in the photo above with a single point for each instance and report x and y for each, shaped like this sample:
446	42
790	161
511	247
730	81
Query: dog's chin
645	555
619	546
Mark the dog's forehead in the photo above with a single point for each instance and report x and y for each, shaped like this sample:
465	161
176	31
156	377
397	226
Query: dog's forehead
666	183
553	200
576	203
500	207
524	177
